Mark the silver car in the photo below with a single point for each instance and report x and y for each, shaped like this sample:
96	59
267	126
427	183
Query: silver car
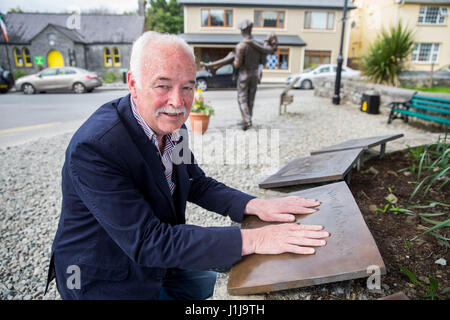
305	79
59	78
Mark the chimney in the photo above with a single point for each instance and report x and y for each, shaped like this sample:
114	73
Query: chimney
141	7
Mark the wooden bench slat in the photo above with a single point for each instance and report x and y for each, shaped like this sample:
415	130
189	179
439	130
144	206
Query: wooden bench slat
418	106
431	98
423	116
424	102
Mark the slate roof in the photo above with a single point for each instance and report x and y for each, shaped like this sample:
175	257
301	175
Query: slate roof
70	33
233	39
328	4
22	27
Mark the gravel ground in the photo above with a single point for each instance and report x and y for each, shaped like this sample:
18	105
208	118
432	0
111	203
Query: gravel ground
30	196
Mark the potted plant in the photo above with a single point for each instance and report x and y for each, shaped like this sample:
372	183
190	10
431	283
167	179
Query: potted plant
200	113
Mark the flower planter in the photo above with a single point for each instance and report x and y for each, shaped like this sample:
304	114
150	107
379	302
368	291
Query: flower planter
199	122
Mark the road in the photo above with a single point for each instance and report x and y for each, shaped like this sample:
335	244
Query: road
27	117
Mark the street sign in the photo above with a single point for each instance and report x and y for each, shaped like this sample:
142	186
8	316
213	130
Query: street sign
39	60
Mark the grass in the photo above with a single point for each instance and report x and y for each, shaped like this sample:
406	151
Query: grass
431	164
434	89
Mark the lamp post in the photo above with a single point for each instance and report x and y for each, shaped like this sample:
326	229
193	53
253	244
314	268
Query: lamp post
340	59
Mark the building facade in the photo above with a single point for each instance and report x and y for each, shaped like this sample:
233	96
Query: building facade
93	42
309	32
428	20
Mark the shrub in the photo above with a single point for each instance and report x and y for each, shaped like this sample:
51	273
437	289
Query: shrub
388	54
19	73
111	76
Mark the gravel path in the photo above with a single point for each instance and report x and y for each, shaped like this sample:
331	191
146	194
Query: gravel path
30	196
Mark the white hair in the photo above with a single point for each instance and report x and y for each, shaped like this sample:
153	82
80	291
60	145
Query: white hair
143	40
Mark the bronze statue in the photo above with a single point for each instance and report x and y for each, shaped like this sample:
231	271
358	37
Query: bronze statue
250	53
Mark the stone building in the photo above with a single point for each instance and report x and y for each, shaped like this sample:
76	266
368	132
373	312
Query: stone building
90	41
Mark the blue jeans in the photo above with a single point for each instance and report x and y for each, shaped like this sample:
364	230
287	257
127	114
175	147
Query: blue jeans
187	285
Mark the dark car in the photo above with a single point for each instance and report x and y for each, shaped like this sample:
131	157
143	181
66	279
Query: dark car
6	80
222	79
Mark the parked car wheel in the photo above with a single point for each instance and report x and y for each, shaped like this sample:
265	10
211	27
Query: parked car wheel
78	87
307	84
28	88
202	84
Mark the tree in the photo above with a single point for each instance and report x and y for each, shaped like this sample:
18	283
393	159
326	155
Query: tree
388	55
165	17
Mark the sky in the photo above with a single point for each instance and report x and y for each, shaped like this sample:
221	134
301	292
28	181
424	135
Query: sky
114	6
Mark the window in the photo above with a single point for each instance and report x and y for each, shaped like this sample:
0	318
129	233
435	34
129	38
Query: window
107	57
49	72
279	60
226	69
314	58
18	57
67	71
319	20
269	19
425	52
324	70
217	18
27	57
432	15
116	56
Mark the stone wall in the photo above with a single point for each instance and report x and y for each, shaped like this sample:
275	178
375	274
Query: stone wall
423	81
352	90
96	60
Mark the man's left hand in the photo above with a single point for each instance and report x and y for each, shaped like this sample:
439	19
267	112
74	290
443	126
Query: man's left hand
280	209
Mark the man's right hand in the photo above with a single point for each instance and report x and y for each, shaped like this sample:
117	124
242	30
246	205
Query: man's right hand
281	238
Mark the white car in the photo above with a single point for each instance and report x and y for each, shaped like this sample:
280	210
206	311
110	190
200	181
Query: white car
306	78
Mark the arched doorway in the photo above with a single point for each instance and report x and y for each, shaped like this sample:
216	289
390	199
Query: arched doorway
55	59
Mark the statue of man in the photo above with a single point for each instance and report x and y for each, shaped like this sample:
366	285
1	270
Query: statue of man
250	53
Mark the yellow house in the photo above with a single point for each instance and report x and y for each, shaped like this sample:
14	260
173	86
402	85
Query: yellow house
427	19
308	31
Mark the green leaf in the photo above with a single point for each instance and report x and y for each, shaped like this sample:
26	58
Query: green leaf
445	290
437	214
431	204
411	276
431	221
442	224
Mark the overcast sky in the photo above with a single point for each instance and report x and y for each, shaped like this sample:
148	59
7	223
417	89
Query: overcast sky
114	6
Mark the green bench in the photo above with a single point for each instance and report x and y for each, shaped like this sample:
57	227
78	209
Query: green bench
437	109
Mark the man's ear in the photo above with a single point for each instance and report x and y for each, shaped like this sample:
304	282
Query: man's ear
131	85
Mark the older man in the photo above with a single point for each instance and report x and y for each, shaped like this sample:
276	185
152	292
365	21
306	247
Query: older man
122	231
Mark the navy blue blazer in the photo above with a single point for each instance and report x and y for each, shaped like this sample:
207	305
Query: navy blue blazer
119	223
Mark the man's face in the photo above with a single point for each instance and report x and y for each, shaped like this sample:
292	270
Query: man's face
167	87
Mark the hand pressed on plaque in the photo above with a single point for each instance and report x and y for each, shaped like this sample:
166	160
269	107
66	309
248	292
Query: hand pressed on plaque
280	209
281	238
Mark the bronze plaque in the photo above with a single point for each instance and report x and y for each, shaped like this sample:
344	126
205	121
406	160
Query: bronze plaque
331	166
364	143
349	252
